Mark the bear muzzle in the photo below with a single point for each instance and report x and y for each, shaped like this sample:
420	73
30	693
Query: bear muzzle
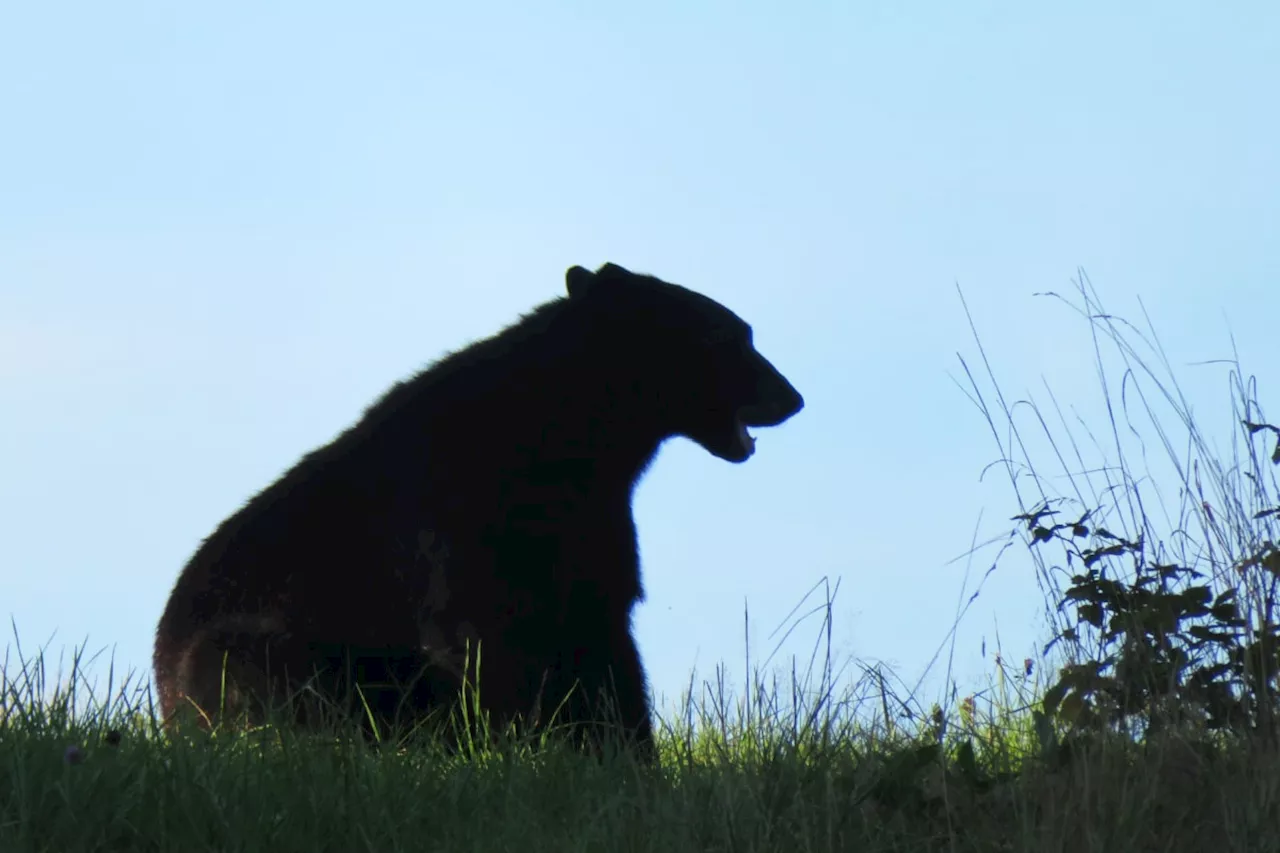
776	401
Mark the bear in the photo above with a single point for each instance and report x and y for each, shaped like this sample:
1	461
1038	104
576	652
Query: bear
474	528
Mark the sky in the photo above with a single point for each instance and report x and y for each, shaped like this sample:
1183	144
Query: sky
226	228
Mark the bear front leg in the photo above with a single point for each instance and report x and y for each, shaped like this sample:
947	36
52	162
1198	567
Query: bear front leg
610	691
630	687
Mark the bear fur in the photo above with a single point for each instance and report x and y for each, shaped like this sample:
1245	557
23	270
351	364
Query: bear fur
482	505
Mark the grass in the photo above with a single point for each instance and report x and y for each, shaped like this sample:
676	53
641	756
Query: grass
1147	725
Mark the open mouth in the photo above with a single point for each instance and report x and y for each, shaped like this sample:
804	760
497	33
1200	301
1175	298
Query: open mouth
734	442
745	440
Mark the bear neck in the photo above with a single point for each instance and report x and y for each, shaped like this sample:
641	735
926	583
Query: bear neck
521	405
569	419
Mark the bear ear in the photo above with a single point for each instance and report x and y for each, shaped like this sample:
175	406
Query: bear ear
578	280
612	270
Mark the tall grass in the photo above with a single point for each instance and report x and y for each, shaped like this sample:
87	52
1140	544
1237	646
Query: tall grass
1159	565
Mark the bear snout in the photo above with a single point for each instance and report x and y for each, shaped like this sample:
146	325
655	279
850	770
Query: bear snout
776	399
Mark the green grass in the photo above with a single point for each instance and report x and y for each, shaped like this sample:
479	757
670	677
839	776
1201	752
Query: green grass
102	779
1158	731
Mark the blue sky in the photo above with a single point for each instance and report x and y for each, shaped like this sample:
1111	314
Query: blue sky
224	229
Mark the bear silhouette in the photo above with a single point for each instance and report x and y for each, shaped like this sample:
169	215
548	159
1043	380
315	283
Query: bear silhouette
473	526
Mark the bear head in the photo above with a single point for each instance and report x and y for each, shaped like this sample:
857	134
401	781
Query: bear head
690	360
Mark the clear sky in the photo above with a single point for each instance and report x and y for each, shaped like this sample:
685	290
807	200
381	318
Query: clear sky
225	228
